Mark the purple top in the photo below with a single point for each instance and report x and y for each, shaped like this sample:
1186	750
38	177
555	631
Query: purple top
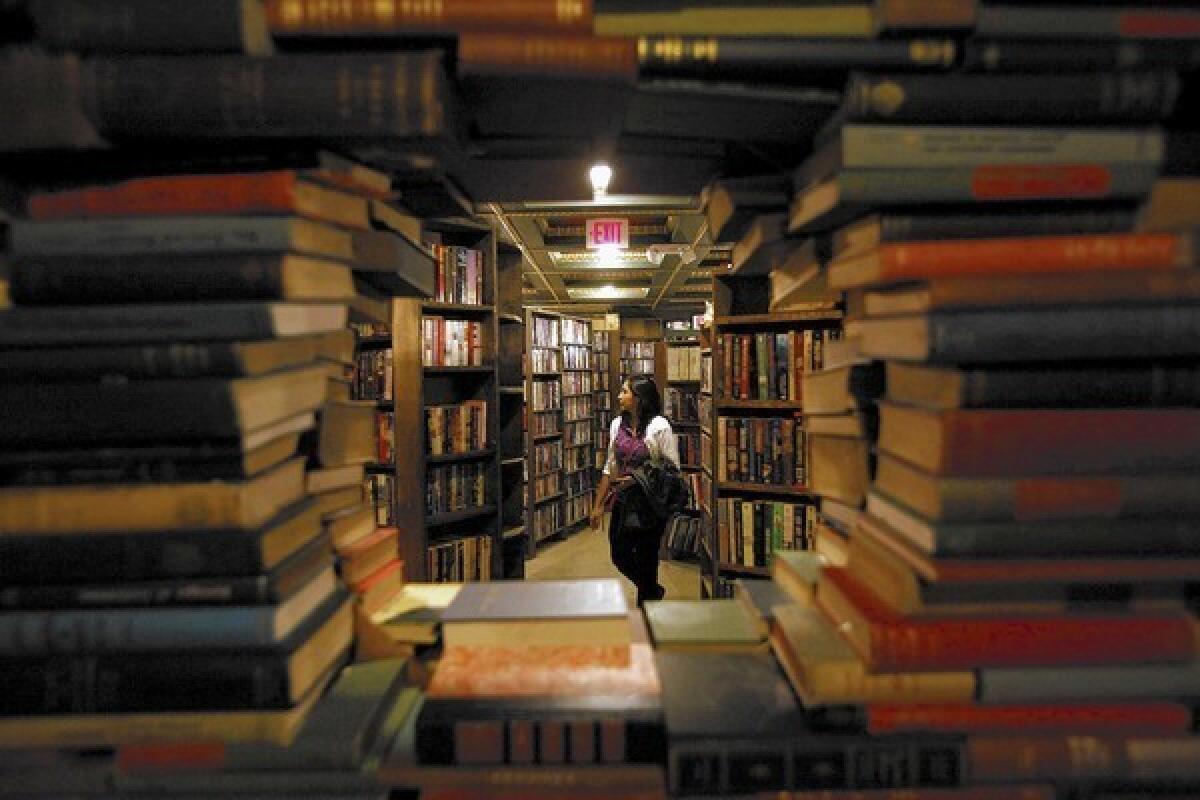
630	452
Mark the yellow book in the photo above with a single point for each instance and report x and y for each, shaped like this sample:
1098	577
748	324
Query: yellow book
834	19
127	507
824	669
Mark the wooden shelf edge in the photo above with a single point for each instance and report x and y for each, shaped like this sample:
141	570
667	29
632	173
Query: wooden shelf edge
449	458
790	490
451	517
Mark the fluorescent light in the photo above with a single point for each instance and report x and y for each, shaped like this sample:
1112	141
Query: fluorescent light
609	293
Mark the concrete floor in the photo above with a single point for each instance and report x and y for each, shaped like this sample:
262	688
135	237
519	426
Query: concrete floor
585	555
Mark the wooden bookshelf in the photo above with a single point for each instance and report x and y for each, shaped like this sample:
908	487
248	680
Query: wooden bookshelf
544	425
510	355
578	421
743	322
605	349
429	380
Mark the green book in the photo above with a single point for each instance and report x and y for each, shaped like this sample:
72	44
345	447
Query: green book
703	625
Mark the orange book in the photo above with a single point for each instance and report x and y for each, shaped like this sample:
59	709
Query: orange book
546	671
1016	255
377	588
546	54
1120	718
1080	758
889	642
277	192
370	17
982	442
368	554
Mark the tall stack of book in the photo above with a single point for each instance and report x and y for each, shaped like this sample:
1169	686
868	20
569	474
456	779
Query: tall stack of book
1018	581
548	681
166	575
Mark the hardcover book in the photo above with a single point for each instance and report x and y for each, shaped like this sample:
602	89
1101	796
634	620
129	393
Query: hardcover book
192	678
196	409
1031	442
705	626
889	642
541	612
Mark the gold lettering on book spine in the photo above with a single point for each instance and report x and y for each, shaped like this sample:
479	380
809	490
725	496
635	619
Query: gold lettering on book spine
566	10
672	50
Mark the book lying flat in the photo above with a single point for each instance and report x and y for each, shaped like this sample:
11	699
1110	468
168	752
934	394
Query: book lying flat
541	612
53	326
135	507
196	409
960	499
25	633
191	278
187	679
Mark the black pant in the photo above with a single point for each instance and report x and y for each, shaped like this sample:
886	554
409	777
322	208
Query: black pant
635	554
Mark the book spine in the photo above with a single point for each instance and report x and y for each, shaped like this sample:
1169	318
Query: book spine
367	17
1030	21
140	25
1117	718
37	558
973	643
1152	385
581	737
138	411
1030	499
1090	179
934	146
1116	97
737	57
1047	441
923	15
139	280
130	682
1144	682
181	360
314	94
1083	56
1074	758
722	767
1038	255
180	194
245	590
94	631
136	323
917	227
1079	333
535	54
120	237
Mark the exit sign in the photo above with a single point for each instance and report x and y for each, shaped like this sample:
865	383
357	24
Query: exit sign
607	233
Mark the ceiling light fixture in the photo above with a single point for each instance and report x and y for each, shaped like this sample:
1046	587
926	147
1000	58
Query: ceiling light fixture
600	174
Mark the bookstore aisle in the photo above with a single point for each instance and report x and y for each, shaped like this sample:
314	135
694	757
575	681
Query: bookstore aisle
313	316
585	555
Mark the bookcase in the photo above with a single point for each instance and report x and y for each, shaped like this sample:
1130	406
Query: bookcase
544	425
578	421
373	380
641	351
759	502
606	345
447	498
511	418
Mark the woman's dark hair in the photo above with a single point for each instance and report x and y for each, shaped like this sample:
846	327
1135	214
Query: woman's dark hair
647	401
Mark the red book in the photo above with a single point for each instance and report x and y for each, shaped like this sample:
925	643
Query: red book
1016	255
1122	718
889	642
277	192
547	54
370	17
1028	442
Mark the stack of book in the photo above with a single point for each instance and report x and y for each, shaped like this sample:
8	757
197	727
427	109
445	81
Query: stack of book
542	681
166	573
1016	590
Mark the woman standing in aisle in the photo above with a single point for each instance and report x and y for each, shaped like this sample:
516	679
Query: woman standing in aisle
640	432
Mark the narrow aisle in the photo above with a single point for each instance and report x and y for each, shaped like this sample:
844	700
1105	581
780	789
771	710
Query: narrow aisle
585	555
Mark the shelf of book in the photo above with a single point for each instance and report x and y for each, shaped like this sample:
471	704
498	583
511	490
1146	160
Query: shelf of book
578	421
510	364
545	428
605	343
446	355
750	381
